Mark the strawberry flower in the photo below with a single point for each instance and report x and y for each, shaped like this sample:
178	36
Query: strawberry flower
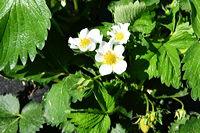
86	41
119	33
111	59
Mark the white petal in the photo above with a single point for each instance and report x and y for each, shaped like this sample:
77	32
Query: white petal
110	33
83	49
92	46
120	67
83	33
99	57
73	42
105	69
95	35
119	50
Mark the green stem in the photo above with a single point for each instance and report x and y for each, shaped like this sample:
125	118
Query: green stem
147	100
176	99
96	77
75	5
152	106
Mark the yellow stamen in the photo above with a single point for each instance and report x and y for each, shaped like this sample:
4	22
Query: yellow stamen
110	58
84	42
119	36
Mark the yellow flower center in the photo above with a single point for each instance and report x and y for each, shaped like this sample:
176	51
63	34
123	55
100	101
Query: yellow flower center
110	58
84	42
119	36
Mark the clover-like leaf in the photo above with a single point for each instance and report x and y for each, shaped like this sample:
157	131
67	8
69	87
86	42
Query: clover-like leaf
90	121
23	28
32	118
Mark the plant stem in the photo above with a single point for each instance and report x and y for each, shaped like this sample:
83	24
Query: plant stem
147	100
152	106
176	99
96	77
75	5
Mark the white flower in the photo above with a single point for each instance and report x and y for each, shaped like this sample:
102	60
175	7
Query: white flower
111	59
120	33
87	40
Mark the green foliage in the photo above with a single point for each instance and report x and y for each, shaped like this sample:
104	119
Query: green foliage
195	5
30	120
191	126
129	12
161	62
192	69
9	107
23	27
144	24
54	107
90	121
118	129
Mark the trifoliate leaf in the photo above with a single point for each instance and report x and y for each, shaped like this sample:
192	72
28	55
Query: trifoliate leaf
23	28
145	24
90	121
32	118
195	16
175	126
164	63
78	85
9	108
129	12
105	100
56	102
113	4
192	70
118	129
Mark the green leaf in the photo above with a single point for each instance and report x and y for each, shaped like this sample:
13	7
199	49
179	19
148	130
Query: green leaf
78	85
165	63
195	16
145	24
9	108
66	126
169	66
23	27
39	71
191	126
56	102
113	4
90	121
9	124
128	13
182	38
32	118
185	5
118	129
106	101
150	2
192	70
9	105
